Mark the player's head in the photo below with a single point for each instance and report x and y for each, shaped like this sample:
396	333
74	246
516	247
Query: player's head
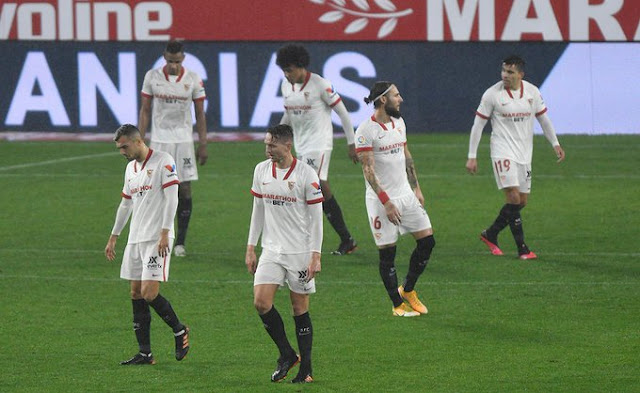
174	55
278	142
129	141
293	60
385	95
512	72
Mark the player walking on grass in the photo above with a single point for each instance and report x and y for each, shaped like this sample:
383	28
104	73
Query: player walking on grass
150	197
167	96
308	102
394	201
511	104
287	212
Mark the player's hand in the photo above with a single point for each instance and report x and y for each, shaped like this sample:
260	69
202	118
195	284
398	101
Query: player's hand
110	249
472	166
314	266
250	260
352	153
201	154
419	195
559	153
393	214
163	244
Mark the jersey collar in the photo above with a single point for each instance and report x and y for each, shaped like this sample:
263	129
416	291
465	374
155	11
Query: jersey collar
306	80
166	74
521	90
135	163
373	118
291	168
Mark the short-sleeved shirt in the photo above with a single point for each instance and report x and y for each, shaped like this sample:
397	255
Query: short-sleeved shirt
172	95
286	194
308	106
512	114
387	141
144	185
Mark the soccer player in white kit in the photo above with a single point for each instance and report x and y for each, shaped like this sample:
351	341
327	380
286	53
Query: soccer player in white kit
308	102
167	96
394	200
511	104
150	198
287	212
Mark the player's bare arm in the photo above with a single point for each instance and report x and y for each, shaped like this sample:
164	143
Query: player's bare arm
145	115
352	153
472	166
201	128
110	249
314	266
368	168
250	259
412	175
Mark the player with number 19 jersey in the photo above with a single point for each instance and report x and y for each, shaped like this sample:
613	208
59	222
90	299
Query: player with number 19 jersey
173	96
512	114
285	194
387	142
144	185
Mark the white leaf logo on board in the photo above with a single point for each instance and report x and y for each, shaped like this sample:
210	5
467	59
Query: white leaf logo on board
362	13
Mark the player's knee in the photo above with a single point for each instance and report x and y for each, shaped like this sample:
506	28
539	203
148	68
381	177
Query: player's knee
262	305
424	246
387	257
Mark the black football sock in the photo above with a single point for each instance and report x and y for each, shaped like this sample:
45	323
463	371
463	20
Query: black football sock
165	311
517	231
304	332
418	262
184	215
142	324
388	274
274	325
334	216
503	219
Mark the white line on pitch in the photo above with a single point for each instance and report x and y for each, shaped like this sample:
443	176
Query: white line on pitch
56	161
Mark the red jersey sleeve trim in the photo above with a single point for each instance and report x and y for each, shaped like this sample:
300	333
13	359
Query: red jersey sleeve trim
336	103
125	196
146	95
200	99
313	202
255	194
359	149
170	183
542	112
482	116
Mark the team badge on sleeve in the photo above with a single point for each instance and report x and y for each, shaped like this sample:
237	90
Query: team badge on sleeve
315	185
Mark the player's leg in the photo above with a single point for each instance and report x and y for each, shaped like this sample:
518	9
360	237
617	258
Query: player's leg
515	224
270	274
156	270
304	335
187	172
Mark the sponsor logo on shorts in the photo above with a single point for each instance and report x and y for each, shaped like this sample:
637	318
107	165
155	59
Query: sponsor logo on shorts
153	263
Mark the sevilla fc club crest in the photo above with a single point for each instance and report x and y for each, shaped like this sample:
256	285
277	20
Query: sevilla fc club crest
306	95
186	87
291	184
149	172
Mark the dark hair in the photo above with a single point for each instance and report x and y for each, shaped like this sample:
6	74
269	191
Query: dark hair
293	54
174	46
281	133
377	89
128	130
515	61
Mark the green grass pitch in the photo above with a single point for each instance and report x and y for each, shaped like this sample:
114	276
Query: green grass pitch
567	322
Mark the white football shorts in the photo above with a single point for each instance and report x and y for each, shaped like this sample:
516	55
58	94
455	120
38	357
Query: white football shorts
184	155
413	219
141	262
276	268
509	173
319	161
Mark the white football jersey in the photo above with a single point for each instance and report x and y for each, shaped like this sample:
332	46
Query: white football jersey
172	95
512	114
144	185
285	195
308	106
387	142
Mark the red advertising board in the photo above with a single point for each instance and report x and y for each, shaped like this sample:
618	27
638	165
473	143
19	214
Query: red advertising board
321	20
